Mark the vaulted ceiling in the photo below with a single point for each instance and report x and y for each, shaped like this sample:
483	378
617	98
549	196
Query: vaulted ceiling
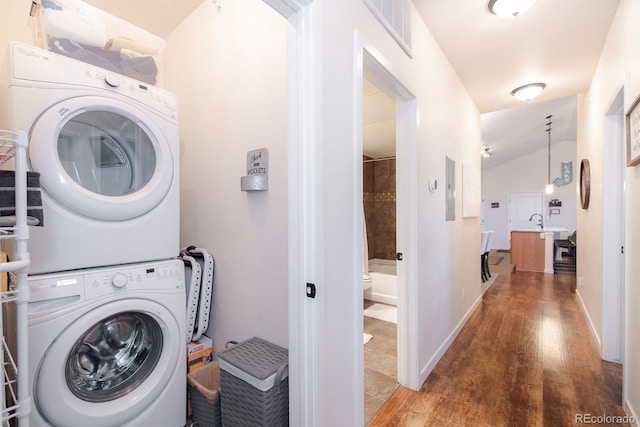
556	42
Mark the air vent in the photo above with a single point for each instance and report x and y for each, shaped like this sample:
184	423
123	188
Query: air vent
395	16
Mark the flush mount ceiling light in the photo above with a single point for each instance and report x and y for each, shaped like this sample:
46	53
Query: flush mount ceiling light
510	8
527	92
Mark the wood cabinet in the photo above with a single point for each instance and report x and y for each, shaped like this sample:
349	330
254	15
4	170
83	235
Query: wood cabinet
527	250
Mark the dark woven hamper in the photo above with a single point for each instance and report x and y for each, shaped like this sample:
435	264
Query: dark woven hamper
204	394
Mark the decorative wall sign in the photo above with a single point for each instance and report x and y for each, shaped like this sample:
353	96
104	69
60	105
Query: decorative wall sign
555	203
566	176
585	183
257	178
495	204
633	134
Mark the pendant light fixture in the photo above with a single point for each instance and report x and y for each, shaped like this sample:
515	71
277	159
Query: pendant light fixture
510	8
549	188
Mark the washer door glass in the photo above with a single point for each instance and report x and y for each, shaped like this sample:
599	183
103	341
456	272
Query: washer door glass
103	158
106	153
114	357
107	350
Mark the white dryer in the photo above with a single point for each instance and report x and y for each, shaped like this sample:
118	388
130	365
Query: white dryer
106	347
106	148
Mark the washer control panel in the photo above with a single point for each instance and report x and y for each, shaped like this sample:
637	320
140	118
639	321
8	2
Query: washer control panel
57	291
164	275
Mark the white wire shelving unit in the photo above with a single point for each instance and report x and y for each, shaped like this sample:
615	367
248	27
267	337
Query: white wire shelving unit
15	401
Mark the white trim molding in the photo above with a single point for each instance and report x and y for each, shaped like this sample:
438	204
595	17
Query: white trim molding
288	8
304	382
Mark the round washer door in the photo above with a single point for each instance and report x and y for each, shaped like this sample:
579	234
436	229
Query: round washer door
101	158
109	365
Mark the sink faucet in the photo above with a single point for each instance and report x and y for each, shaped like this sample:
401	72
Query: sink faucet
541	224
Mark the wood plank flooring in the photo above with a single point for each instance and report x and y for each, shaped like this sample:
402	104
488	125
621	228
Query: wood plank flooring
380	364
525	358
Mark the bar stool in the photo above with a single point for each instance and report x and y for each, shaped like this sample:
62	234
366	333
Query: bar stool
484	240
485	254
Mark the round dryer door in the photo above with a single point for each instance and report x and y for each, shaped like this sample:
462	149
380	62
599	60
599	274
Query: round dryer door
101	158
105	369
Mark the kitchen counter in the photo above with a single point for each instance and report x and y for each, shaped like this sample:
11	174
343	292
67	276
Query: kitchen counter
528	250
542	230
532	248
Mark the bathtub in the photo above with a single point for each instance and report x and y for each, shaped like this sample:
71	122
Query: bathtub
384	282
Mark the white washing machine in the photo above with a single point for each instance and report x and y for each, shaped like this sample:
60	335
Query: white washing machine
106	347
106	147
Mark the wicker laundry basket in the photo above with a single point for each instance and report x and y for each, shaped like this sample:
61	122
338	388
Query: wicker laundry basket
204	392
254	380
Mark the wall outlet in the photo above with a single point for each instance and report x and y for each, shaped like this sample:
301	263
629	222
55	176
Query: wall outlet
463	290
580	283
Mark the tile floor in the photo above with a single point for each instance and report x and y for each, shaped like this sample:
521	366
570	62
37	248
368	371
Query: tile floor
380	364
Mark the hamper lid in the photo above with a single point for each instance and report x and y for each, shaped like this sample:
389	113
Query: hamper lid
257	357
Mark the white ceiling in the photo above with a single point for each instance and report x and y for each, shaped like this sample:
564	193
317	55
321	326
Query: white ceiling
378	123
557	42
518	131
159	17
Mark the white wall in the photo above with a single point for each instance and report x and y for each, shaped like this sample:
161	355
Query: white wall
15	25
212	60
529	173
449	125
620	54
228	68
227	107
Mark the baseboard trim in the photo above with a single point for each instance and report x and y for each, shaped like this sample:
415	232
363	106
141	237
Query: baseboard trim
424	373
633	418
592	328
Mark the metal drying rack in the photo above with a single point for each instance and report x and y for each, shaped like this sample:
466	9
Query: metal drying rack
15	401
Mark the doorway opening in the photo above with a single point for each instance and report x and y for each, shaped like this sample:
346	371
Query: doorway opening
379	270
403	255
522	208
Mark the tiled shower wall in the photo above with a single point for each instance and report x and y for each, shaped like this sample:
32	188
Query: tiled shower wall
379	185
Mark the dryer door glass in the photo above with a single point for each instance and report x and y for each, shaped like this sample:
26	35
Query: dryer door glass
106	153
104	158
114	357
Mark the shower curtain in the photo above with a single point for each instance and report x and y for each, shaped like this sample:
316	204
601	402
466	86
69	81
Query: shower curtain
365	247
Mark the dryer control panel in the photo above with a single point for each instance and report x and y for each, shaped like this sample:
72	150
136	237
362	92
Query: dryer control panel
43	67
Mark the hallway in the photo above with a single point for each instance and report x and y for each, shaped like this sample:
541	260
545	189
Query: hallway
525	357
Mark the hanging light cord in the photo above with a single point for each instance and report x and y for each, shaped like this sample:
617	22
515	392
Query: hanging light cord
549	151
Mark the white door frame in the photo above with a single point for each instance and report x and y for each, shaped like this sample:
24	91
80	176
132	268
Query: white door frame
305	381
303	256
613	232
514	195
369	64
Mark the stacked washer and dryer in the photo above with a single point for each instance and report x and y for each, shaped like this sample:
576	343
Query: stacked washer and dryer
107	306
